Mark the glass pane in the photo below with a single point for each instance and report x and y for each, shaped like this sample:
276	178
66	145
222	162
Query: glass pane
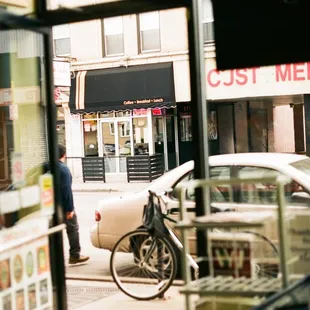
108	146
124	138
264	193
23	140
140	134
114	44
62	47
90	129
208	32
113	25
149	21
186	129
150	40
220	193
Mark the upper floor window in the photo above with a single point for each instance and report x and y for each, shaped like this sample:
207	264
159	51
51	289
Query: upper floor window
149	31
113	36
208	21
62	41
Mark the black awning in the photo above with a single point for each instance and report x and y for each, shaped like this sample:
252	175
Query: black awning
135	87
72	94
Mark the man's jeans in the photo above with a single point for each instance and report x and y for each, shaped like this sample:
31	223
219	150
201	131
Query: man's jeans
73	236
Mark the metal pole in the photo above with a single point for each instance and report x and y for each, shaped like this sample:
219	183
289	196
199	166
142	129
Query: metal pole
56	240
199	120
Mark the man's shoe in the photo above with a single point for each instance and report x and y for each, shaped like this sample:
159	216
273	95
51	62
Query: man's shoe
81	259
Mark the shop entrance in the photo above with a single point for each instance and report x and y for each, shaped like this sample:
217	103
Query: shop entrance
116	143
165	138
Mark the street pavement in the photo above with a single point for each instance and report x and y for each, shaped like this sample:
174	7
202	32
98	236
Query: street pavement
89	285
113	184
84	295
98	265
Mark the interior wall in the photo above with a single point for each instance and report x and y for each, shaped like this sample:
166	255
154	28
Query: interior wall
226	128
284	129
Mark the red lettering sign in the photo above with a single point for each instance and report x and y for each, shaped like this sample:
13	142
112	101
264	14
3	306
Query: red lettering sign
232	77
239	77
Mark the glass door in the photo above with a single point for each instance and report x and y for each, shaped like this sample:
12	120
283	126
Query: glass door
108	145
125	142
116	143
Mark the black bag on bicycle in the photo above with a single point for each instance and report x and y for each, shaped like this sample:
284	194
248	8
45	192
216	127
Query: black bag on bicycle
153	219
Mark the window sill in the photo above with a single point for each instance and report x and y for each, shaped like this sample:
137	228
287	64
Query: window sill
114	55
150	51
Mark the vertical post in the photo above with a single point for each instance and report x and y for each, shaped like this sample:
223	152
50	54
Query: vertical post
166	163
307	122
56	240
200	118
150	132
176	138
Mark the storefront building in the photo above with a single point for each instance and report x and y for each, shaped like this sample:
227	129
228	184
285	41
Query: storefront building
120	111
250	110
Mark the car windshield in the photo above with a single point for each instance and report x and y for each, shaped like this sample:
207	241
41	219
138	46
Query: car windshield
302	165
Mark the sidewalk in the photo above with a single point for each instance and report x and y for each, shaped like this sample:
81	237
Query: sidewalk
113	184
88	295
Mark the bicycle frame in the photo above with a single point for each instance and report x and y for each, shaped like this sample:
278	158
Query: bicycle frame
173	236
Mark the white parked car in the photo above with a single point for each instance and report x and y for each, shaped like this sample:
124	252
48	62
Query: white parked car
117	216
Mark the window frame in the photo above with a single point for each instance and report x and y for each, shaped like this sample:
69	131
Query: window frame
55	38
205	22
140	41
104	41
123	134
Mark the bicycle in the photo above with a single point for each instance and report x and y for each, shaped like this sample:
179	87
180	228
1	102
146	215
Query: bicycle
153	252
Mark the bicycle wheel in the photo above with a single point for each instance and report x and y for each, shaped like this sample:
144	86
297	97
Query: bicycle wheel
141	266
265	256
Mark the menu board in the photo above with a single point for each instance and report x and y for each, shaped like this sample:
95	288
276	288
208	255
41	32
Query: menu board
25	278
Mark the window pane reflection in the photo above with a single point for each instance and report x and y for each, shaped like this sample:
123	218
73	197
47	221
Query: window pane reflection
140	134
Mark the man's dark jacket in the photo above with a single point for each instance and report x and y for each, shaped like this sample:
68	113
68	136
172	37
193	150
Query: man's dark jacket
66	187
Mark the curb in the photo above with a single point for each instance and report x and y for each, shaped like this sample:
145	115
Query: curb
97	190
81	277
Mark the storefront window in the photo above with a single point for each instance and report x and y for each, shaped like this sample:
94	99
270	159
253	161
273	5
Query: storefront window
23	147
123	114
106	115
90	129
186	128
140	135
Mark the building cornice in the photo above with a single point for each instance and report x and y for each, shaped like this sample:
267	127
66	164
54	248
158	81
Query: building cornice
149	58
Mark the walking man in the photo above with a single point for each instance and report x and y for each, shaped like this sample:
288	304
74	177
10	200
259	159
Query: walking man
68	206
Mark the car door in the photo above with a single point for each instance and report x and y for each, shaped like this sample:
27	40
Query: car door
218	195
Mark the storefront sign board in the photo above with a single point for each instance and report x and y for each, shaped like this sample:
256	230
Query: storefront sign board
279	80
